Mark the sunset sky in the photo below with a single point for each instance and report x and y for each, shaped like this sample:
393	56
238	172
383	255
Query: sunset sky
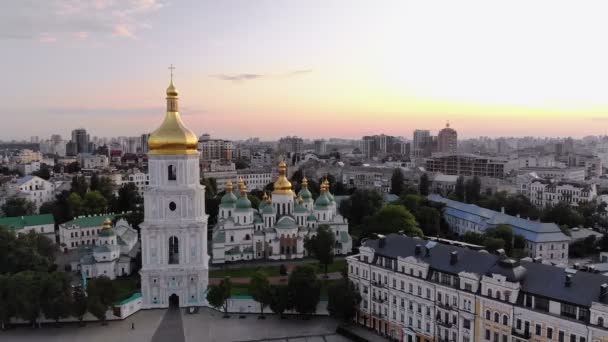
309	68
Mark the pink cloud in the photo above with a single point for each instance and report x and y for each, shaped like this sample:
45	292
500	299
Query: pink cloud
122	30
47	39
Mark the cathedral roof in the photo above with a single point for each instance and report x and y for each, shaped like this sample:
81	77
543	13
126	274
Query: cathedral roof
286	222
282	186
229	197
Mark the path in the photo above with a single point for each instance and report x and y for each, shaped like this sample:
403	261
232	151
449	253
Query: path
276	280
262	263
171	327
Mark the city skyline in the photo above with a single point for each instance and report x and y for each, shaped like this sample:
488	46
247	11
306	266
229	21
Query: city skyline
317	69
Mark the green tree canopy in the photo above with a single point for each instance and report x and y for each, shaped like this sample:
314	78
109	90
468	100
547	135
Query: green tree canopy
397	181
424	184
362	203
393	219
75	205
17	206
321	246
280	300
259	289
218	295
304	289
94	203
343	300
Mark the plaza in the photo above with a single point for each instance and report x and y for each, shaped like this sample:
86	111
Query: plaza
178	326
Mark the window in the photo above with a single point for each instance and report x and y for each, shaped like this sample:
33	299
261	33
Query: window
489	292
568	310
171	172
560	336
488	334
505	320
419	291
496	317
466	324
572	338
488	315
518	324
173	250
172	206
538	330
549	333
600	321
541	303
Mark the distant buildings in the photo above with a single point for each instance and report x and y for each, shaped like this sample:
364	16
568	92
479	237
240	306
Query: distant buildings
447	140
544	193
80	140
421	137
31	188
321	147
291	144
378	146
558	173
215	149
463	164
544	240
378	178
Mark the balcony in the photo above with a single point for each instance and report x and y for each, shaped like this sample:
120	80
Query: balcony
525	335
445	306
378	300
444	324
377	283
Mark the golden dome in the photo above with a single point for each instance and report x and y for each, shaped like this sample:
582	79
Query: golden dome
172	137
282	186
229	187
107	223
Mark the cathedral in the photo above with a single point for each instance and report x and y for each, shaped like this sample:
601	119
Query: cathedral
174	232
277	229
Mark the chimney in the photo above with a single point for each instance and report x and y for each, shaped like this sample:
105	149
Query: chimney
517	215
501	252
603	291
453	257
418	249
537	260
568	280
576	265
502	210
381	241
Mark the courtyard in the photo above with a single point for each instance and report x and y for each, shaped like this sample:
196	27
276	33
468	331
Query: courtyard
177	326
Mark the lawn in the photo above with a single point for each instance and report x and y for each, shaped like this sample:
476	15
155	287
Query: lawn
271	271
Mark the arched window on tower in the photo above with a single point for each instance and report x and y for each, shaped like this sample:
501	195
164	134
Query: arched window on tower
171	172
173	250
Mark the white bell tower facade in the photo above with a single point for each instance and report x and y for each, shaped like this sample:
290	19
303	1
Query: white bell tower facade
174	232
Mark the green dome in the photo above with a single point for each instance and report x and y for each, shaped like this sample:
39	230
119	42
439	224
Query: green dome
243	203
305	193
229	198
299	209
330	197
311	217
268	210
322	201
262	205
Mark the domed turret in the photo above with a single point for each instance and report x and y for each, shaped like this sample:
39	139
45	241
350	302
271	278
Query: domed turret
322	201
243	202
304	192
172	137
106	229
229	197
282	186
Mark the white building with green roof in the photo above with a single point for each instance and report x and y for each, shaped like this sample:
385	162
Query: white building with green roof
41	224
81	231
278	228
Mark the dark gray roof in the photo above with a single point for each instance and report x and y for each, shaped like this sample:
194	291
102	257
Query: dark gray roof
439	257
536	278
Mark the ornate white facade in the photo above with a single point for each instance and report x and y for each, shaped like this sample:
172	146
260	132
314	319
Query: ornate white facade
174	231
278	228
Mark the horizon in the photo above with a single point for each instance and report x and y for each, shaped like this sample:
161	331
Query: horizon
312	69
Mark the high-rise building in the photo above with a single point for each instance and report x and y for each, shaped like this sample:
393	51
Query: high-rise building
81	140
144	142
215	149
447	139
291	144
175	263
417	144
320	146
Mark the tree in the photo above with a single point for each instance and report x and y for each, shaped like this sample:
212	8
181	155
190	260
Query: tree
259	289
280	301
502	232
304	289
474	238
424	184
362	203
75	205
44	172
563	214
493	244
393	219
397	180
321	246
79	306
94	203
16	206
472	189
72	167
79	185
97	309
94	180
28	298
47	208
218	295
343	300
61	210
241	163
56	297
459	190
7	300
102	295
128	198
429	220
210	187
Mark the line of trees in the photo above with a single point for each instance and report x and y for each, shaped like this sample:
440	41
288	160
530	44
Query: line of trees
301	294
31	287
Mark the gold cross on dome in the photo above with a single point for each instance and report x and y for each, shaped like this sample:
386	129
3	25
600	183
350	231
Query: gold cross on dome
171	68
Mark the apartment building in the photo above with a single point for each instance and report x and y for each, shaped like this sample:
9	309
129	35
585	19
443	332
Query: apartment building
466	164
559	173
544	193
422	291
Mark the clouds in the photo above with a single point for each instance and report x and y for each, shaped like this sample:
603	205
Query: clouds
251	76
51	21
